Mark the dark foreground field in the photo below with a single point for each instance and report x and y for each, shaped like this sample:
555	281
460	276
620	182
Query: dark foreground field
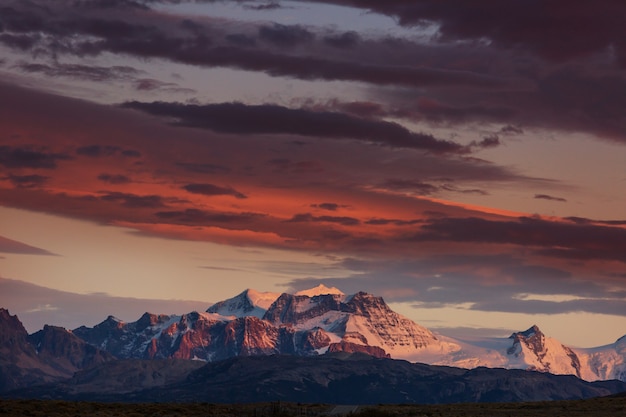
609	407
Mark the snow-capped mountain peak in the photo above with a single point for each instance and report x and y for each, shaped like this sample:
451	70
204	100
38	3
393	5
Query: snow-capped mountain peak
248	303
320	290
262	299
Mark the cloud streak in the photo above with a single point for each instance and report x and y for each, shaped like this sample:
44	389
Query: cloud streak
272	119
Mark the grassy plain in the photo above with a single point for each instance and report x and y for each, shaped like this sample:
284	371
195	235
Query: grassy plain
597	407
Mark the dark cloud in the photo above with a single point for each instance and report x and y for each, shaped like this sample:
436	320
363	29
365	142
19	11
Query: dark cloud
202	217
241	39
437	111
149	84
204	168
27	181
20	42
582	220
114	178
344	40
212	190
553	238
512	305
81	72
555	29
490	141
131	153
335	235
511	130
273	119
585	254
285	165
327	206
549	197
113	4
99	151
308	217
273	5
153	35
537	272
396	222
366	109
29	157
285	36
133	200
413	186
455	189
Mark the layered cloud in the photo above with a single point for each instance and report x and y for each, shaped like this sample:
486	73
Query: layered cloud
482	65
214	191
392	169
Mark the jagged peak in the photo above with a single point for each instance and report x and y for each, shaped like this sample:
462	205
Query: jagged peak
6	316
51	328
7	321
530	332
151	319
113	319
320	290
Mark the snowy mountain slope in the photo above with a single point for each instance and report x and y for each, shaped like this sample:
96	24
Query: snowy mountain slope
319	290
360	319
529	349
533	350
249	303
604	362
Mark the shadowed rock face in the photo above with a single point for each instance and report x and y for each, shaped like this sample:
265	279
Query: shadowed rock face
51	354
287	308
348	347
62	349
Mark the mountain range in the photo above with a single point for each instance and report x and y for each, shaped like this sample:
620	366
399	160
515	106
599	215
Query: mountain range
322	319
313	324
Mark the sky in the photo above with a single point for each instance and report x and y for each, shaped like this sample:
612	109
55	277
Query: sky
463	159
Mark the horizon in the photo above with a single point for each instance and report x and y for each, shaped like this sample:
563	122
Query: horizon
464	161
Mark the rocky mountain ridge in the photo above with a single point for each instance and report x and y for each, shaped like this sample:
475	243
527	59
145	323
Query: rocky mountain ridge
48	355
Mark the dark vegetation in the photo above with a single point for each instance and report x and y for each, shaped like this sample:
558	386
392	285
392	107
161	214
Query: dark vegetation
597	407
